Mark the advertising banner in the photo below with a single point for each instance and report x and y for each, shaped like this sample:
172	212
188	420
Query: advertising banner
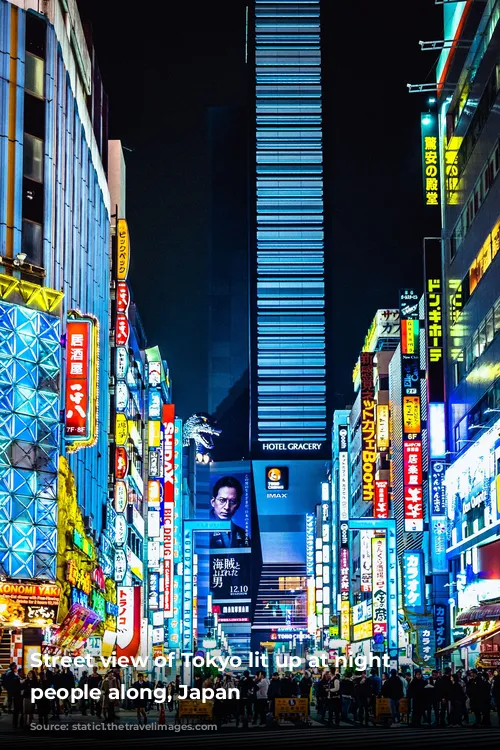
128	621
368	436
81	382
168	417
379	584
343	474
413	580
230	551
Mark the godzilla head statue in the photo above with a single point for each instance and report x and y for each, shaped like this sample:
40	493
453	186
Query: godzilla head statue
200	428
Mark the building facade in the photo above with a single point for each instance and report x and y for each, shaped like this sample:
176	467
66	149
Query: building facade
55	259
468	126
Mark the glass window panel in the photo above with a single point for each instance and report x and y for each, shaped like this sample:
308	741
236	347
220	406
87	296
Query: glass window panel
32	242
33	157
34	72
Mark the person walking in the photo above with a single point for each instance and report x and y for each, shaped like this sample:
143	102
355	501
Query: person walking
141	701
16	696
95	682
29	700
333	701
418	697
8	679
262	685
43	703
305	687
347	693
363	695
393	690
247	695
274	691
321	694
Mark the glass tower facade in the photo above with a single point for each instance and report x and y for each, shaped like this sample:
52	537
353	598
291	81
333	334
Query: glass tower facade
289	373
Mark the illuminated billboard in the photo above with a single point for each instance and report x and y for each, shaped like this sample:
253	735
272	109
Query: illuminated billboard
430	158
368	437
230	551
379	585
168	427
413	580
30	363
411	408
471	491
82	341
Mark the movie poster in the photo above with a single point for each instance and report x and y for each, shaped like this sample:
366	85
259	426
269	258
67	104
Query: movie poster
230	551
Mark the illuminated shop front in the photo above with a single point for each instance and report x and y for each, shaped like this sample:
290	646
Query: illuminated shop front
88	604
473	511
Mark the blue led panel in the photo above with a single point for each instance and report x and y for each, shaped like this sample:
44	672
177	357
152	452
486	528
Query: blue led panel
29	447
290	288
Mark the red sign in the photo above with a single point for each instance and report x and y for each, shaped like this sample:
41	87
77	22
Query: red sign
412	452
128	623
121	463
412	479
79	387
168	417
414	509
122	330
122	297
381	504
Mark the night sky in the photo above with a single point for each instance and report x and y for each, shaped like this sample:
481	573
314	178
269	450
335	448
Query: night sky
162	70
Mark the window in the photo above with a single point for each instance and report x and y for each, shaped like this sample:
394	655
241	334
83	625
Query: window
496	317
490	329
34	73
31	242
33	157
481	340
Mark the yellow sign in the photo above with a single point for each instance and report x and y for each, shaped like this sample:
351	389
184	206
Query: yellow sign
345	621
154	434
121	429
189	707
411	414
383	427
430	159
435	320
451	148
290	707
122	250
153	491
362	631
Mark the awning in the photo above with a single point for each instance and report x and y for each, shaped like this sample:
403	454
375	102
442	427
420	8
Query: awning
478	635
479	614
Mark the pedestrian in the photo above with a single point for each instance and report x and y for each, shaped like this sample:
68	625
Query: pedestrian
95	682
333	702
29	700
108	703
393	690
274	691
82	682
68	682
8	680
247	695
418	697
262	685
15	691
432	700
305	687
43	703
347	693
444	687
141	701
457	700
57	683
363	695
321	694
484	699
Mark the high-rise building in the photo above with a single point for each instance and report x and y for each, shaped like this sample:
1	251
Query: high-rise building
54	269
288	289
467	130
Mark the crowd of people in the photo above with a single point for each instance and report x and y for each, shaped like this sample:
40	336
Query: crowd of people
440	699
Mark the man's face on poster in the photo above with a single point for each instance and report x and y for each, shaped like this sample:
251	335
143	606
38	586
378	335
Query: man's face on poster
226	503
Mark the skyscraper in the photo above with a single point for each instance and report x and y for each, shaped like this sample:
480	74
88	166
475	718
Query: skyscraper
288	294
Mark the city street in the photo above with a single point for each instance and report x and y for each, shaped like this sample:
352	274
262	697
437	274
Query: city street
78	732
